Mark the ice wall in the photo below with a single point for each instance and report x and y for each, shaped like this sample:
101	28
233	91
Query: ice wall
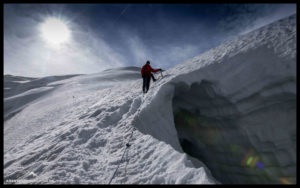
257	145
234	107
241	120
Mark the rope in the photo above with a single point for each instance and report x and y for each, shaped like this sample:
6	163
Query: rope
127	160
127	146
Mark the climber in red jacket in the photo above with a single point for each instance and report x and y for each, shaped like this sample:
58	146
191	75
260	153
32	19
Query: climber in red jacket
146	74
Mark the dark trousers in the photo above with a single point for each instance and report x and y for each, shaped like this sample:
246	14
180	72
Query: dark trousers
146	82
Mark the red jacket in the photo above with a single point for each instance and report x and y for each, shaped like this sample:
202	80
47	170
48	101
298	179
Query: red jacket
147	69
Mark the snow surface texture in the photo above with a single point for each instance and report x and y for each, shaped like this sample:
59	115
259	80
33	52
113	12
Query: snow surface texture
228	115
20	91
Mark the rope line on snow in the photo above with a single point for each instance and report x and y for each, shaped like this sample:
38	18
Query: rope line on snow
127	146
127	161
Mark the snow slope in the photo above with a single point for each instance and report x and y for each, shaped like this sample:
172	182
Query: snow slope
228	115
21	91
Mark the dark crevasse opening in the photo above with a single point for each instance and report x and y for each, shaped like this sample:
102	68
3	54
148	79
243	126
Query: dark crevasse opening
253	146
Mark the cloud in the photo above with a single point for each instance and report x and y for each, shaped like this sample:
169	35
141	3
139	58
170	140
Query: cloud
139	51
108	36
25	53
277	13
162	53
242	18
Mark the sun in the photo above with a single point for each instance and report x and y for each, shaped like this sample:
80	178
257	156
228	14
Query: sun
55	31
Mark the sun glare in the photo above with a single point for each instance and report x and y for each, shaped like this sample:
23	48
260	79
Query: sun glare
55	31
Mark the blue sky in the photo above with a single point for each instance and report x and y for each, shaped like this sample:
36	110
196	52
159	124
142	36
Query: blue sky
116	35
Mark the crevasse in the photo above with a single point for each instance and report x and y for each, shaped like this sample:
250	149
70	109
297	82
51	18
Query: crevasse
237	113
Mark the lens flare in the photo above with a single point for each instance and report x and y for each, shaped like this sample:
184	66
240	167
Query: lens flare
284	181
251	160
253	163
259	165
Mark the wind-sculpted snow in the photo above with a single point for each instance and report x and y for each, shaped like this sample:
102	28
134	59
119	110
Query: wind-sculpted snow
225	116
21	91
